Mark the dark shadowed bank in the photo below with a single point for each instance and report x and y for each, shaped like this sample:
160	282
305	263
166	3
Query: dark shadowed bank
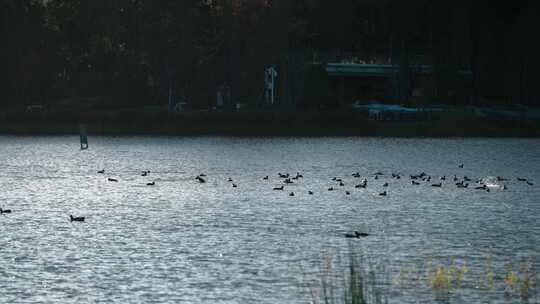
338	123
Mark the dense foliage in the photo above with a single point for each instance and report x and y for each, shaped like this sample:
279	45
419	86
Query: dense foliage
136	52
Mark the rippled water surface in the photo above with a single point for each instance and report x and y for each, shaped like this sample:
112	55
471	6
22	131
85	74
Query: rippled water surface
185	242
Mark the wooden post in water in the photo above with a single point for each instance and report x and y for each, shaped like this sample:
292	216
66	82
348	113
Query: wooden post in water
84	138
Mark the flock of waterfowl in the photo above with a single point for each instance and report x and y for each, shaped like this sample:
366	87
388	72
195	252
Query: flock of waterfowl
415	179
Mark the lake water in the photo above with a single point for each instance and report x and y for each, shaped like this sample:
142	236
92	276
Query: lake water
185	242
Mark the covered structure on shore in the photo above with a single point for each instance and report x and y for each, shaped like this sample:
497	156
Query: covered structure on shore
381	82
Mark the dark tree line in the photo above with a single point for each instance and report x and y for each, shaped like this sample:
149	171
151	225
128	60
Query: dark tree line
140	52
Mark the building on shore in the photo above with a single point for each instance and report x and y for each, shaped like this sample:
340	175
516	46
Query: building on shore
381	83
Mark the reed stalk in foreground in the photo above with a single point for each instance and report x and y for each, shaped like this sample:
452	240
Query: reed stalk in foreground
357	284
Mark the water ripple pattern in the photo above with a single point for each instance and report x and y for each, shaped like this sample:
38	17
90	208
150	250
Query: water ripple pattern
181	241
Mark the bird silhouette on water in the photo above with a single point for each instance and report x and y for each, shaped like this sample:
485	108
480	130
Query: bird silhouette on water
356	235
76	219
2	211
362	185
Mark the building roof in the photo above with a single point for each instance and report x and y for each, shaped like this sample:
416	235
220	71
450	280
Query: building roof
375	70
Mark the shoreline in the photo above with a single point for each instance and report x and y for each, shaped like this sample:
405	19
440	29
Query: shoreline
433	129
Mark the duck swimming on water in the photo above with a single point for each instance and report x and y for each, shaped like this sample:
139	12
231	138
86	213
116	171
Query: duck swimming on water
76	219
356	235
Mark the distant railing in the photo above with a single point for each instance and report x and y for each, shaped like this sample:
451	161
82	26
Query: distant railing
380	59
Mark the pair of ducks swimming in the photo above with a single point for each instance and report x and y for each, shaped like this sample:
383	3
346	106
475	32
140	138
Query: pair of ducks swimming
71	217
